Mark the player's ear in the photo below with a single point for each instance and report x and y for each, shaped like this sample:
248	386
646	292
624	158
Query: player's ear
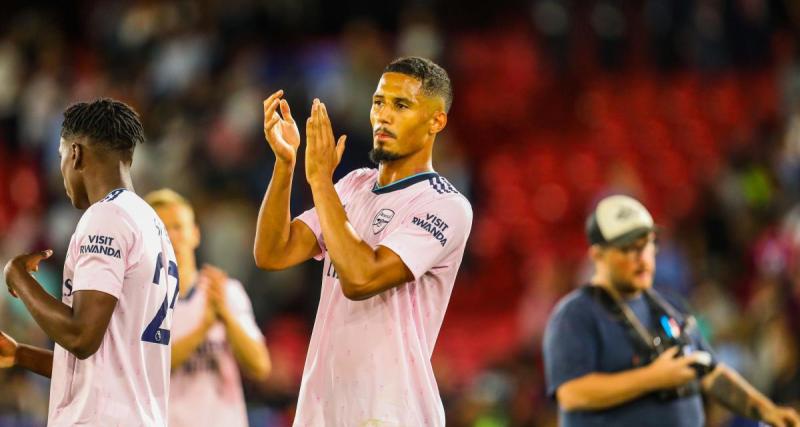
438	122
77	155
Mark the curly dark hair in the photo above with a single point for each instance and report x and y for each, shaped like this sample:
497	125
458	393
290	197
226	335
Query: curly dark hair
435	81
106	122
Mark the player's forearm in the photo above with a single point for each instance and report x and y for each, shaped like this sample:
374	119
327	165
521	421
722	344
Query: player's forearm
183	348
35	359
729	389
601	391
274	218
251	354
355	261
54	317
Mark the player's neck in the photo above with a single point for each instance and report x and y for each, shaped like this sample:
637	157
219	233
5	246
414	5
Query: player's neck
389	172
101	183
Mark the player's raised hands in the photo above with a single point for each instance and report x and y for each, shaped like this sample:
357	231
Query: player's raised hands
23	264
8	351
280	130
323	152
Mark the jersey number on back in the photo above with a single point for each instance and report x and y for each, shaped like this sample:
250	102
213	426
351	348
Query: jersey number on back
154	333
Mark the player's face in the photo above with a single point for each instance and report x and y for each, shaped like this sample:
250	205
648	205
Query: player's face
631	268
70	153
182	230
402	116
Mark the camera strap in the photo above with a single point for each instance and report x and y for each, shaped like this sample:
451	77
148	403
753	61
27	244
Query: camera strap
646	344
613	303
656	299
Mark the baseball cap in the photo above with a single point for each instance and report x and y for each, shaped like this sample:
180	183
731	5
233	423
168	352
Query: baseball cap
618	221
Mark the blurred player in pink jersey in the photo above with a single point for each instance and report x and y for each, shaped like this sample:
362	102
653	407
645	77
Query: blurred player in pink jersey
392	240
214	333
110	365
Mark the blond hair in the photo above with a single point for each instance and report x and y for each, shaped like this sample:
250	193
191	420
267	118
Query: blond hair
166	197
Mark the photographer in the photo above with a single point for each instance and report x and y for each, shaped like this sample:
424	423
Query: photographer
617	353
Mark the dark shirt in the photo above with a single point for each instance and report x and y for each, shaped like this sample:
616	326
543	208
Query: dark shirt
583	337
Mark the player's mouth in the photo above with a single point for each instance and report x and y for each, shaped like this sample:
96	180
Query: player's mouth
382	134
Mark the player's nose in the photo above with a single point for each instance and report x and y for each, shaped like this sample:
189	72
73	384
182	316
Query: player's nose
383	115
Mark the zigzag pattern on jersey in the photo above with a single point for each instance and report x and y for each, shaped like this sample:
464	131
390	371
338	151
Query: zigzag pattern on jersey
113	195
442	185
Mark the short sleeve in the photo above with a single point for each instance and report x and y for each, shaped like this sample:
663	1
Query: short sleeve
430	233
103	241
310	218
239	304
570	345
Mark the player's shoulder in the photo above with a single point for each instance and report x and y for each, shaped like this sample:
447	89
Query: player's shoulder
439	191
120	208
108	209
235	286
236	293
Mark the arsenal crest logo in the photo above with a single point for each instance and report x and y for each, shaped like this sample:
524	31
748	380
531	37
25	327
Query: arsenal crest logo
381	219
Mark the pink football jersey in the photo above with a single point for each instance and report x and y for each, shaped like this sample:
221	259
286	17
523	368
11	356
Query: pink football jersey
368	361
206	390
119	247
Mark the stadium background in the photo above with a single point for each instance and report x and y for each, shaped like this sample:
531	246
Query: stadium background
692	106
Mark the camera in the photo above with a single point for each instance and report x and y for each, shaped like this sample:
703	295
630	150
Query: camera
673	334
671	328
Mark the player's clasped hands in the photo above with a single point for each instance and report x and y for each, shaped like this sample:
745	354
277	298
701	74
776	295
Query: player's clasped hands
215	281
24	264
322	154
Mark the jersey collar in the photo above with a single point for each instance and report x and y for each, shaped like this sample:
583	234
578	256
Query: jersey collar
189	294
113	194
403	183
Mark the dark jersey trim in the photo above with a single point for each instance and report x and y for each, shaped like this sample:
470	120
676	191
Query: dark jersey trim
442	185
113	194
189	294
404	183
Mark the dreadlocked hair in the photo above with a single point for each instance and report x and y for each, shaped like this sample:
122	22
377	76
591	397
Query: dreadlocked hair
105	122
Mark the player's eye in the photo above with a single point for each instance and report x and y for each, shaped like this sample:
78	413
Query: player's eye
377	102
402	106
